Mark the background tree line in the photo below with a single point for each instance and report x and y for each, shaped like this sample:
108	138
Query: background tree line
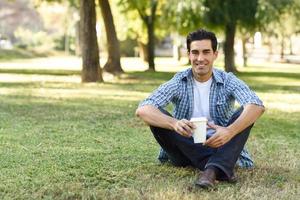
147	21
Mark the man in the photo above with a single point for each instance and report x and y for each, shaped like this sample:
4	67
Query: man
203	91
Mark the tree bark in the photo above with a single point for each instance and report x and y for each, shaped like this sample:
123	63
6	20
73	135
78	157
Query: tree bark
245	56
91	71
143	51
282	48
78	39
149	20
270	49
176	52
229	47
151	39
113	64
291	45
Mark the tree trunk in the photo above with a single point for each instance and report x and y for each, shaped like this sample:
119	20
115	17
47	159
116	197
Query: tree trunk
229	47
176	52
91	71
291	45
113	64
143	51
245	56
282	48
67	44
150	21
270	49
151	38
78	39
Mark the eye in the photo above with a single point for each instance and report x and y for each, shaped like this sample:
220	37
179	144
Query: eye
194	52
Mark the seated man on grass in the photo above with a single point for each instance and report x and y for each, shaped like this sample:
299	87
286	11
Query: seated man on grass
203	91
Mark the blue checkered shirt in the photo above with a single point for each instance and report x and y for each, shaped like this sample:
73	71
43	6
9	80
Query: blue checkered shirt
225	89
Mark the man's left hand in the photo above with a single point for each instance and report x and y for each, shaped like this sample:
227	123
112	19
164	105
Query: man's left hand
220	137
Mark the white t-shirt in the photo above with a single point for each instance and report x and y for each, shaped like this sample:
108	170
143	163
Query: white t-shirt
201	101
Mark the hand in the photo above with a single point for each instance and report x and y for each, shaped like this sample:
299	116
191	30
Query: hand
221	136
184	127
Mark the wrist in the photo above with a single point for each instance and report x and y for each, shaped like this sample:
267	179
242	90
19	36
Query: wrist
172	124
232	131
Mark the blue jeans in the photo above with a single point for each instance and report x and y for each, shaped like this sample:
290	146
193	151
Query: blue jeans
182	151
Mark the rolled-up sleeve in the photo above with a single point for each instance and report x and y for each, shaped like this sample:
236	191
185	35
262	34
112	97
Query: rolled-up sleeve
163	95
242	93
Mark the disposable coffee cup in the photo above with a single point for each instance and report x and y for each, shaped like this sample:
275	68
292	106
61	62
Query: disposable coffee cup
199	134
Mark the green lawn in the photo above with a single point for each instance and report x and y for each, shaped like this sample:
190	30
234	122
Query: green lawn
60	139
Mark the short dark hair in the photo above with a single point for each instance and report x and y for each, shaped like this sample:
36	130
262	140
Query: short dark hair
201	34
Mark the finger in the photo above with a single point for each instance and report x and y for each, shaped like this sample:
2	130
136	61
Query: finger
187	128
190	124
185	124
219	144
193	125
215	143
213	126
210	140
183	132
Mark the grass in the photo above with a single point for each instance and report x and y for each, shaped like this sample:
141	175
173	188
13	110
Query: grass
19	54
60	139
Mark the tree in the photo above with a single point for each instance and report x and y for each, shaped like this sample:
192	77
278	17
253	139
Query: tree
180	17
278	19
228	14
91	71
113	64
18	14
147	12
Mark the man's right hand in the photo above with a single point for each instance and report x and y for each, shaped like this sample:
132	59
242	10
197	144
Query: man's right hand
184	127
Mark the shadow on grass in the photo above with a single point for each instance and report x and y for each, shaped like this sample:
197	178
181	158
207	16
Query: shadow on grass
275	88
40	72
147	81
269	74
147	75
20	54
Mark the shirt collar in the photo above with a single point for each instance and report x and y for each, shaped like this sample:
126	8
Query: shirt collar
188	74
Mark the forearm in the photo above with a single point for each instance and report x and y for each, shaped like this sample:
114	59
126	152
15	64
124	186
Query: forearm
249	115
153	116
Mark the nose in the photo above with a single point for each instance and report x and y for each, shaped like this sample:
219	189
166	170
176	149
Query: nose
200	57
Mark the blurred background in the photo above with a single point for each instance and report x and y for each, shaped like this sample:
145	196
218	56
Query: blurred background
64	138
255	29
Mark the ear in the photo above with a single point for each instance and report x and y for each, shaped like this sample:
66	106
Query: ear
216	53
188	54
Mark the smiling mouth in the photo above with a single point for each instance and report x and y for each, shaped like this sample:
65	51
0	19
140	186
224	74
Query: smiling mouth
200	65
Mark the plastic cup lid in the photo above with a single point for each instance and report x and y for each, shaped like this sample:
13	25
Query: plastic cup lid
201	119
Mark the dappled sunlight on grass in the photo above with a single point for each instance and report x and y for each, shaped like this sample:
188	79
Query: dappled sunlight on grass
161	64
260	66
285	103
52	63
59	136
82	92
20	78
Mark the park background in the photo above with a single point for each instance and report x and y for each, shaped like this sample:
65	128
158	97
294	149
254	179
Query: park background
73	72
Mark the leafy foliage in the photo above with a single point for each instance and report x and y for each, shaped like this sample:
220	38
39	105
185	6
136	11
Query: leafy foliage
182	16
221	12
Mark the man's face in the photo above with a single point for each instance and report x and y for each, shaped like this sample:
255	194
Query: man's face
202	58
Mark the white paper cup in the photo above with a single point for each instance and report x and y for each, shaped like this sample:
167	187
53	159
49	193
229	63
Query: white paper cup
199	134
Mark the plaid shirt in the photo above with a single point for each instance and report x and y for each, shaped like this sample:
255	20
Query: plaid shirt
225	89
